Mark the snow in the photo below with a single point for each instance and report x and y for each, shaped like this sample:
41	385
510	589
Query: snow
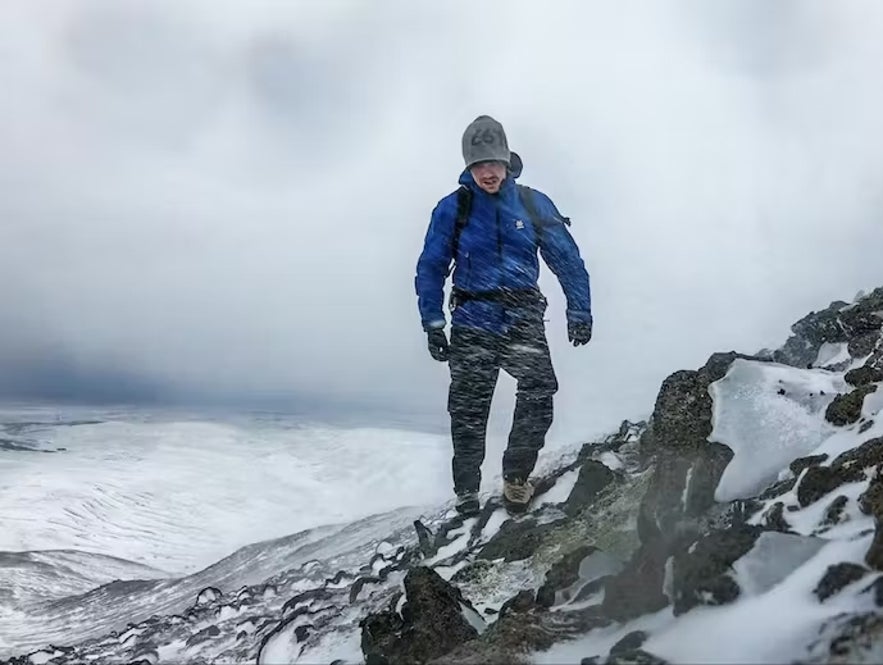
180	495
768	414
560	490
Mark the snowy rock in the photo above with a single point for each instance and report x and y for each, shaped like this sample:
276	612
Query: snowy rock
703	575
847	409
638	589
810	333
850	466
562	575
208	596
431	623
871	500
803	463
634	657
856	638
822	480
838	576
516	540
630	642
205	634
874	556
593	478
863	375
774	518
835	513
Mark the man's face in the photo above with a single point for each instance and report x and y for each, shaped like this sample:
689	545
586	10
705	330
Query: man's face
489	175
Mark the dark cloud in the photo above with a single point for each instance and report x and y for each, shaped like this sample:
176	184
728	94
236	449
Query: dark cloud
204	204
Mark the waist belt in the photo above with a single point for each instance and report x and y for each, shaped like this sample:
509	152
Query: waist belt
511	297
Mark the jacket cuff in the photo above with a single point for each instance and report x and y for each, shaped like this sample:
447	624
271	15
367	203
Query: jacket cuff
575	316
435	324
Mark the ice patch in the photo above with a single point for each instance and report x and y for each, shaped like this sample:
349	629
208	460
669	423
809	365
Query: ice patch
768	414
832	354
773	558
474	618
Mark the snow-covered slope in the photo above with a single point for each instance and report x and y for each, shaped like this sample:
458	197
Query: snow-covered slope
738	525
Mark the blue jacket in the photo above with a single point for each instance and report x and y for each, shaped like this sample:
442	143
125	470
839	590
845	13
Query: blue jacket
497	250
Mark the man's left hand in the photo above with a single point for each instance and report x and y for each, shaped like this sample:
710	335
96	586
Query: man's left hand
579	333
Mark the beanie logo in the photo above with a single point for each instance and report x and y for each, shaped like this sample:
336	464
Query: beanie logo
489	136
519	224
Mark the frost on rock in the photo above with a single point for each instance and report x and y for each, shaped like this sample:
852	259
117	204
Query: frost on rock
768	415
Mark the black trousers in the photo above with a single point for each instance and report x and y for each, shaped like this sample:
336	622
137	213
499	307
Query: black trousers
475	360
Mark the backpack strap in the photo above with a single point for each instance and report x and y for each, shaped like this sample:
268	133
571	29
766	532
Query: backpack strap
528	200
526	194
464	207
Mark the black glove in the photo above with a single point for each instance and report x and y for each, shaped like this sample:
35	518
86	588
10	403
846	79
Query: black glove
438	344
579	333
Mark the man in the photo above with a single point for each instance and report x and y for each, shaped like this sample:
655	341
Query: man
492	229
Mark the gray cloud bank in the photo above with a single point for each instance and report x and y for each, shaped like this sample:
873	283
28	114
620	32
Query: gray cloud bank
207	201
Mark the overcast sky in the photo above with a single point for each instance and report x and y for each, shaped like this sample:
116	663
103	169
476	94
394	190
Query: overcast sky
203	198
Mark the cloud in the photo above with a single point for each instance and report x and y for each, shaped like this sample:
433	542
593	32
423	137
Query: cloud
229	202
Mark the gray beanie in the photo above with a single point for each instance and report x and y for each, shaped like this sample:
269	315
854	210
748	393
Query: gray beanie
484	140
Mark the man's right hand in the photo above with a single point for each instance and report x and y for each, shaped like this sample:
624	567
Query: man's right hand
438	344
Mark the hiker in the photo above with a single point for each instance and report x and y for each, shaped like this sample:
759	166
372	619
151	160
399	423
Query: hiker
492	228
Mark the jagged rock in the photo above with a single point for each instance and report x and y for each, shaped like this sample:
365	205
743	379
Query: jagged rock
876	589
809	333
774	518
821	480
835	513
305	597
637	590
203	635
472	572
801	463
701	576
563	574
523	601
630	642
838	576
854	638
425	539
516	540
863	376
871	500
431	623
869	454
688	469
208	596
863	345
777	489
874	556
593	477
513	637
635	657
681	425
846	409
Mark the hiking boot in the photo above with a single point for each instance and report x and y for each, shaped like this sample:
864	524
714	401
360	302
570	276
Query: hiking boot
517	494
467	504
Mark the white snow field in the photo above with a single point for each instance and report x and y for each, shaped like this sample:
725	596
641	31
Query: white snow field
181	495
